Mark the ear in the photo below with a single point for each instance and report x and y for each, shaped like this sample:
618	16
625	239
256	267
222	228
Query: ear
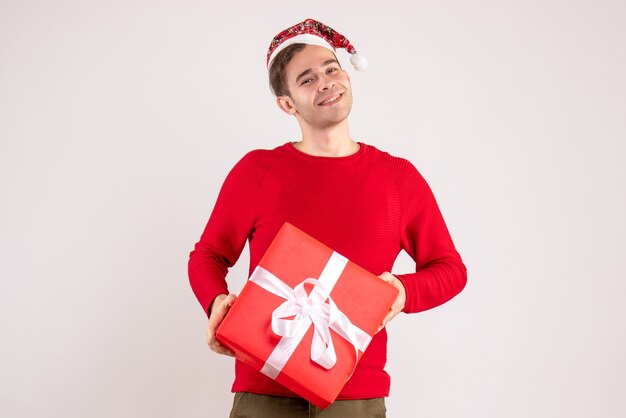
286	105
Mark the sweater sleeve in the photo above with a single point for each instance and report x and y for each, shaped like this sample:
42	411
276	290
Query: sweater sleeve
229	226
439	271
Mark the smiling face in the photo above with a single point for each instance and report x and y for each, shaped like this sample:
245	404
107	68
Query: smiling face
320	92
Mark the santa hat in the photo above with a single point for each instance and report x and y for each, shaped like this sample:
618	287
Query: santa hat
312	32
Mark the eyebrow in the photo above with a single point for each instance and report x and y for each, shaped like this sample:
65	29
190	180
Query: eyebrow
325	63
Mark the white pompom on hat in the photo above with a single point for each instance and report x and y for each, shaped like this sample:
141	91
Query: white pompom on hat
312	32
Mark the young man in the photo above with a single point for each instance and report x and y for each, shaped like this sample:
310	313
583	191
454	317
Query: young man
364	203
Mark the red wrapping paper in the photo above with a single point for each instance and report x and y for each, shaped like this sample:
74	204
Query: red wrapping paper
294	256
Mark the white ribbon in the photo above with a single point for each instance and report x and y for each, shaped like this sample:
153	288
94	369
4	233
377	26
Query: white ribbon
312	309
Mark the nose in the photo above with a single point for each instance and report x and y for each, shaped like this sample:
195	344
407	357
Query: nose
326	83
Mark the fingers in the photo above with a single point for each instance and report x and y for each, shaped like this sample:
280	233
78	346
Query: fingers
388	277
393	311
217	347
218	312
230	299
398	304
214	344
390	315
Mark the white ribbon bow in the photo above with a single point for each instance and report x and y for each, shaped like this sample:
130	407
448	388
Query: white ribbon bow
307	310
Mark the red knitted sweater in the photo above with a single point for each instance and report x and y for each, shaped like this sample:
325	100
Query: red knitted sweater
367	206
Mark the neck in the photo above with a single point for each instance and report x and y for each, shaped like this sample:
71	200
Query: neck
334	141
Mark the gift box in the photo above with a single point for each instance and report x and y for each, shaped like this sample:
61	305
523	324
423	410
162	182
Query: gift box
305	316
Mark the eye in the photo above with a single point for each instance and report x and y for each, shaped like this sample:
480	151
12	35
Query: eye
331	70
306	81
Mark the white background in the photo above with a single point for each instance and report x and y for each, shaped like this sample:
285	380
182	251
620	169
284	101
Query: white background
120	119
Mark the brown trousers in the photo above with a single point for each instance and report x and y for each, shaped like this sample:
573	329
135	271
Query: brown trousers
252	405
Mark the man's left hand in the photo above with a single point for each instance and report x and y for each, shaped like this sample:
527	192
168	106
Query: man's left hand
398	304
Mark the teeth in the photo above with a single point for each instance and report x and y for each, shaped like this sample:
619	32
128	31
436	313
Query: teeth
330	100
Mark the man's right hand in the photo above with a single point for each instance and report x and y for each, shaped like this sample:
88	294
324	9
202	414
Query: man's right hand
219	308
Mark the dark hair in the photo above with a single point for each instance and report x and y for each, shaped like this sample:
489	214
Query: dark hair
278	84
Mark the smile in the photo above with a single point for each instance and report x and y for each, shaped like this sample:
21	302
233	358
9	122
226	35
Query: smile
330	100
